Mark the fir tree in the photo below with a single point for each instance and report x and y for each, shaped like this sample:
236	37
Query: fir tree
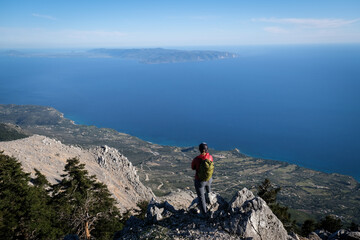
84	206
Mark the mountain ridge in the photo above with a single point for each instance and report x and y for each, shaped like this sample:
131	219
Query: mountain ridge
49	156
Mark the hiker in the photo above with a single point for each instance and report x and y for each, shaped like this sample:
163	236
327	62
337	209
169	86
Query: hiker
203	180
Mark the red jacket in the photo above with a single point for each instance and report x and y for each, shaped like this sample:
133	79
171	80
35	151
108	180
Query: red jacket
196	162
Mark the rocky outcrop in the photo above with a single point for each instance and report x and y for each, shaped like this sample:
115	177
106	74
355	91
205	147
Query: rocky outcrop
179	199
108	164
252	218
245	217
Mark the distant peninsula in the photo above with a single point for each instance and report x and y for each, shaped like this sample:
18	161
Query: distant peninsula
161	55
142	55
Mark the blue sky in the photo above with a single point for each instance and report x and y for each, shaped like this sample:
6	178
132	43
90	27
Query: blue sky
152	23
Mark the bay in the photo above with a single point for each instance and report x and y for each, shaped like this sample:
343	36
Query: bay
299	104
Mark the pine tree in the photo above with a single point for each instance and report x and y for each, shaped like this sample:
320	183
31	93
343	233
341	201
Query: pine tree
269	193
308	227
330	223
84	206
23	210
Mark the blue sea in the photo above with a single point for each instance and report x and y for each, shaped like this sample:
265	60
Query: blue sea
299	104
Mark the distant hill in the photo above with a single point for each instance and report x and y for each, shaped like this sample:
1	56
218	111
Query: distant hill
143	55
161	55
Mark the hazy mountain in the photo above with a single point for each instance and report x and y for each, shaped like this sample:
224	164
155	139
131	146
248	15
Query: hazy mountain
143	55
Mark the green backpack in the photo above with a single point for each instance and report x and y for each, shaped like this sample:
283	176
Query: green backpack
206	170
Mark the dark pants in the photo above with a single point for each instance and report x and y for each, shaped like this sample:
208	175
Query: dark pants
200	188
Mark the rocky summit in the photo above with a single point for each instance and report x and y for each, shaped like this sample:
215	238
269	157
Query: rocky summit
244	217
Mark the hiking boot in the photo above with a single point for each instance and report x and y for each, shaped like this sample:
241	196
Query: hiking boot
194	211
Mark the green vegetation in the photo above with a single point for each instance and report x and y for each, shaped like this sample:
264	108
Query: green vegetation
354	227
330	223
83	204
269	193
140	213
78	204
24	209
8	133
308	227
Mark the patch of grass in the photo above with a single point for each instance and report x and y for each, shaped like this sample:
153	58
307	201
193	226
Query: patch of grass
300	216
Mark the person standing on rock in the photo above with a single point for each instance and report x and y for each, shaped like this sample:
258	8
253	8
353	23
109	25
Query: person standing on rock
204	167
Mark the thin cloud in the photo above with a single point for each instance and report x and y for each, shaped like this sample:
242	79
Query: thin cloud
43	16
309	22
203	18
275	30
67	37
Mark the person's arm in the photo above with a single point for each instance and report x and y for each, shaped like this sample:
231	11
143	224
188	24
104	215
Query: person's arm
193	164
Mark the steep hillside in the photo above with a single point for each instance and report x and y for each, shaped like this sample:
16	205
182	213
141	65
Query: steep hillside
110	167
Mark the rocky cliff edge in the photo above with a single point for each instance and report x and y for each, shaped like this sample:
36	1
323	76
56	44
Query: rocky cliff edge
108	164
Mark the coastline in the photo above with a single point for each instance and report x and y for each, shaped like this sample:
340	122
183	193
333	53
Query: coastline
173	143
303	189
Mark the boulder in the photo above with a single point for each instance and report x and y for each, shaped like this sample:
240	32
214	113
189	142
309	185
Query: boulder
216	205
313	236
180	199
341	234
158	211
250	217
323	234
353	236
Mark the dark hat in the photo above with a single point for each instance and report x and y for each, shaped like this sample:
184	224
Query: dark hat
203	146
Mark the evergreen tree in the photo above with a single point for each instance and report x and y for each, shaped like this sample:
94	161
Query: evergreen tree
330	223
141	212
84	206
40	180
269	193
354	227
23	210
308	227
